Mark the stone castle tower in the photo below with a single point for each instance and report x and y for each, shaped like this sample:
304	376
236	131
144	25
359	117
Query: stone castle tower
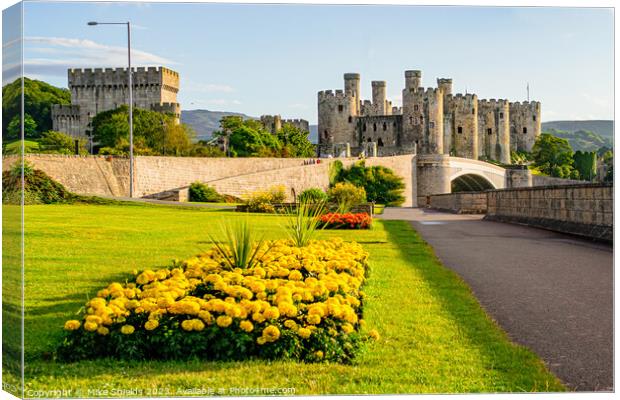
97	90
430	121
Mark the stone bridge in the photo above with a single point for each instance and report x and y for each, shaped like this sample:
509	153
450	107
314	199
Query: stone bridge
438	174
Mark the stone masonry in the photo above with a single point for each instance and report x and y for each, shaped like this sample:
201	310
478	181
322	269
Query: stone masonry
431	121
97	90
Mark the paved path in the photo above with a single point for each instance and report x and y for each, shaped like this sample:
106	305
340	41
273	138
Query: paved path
550	292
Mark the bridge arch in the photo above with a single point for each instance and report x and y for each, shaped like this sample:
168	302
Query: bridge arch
470	182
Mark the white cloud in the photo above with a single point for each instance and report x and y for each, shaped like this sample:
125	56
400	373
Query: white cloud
54	55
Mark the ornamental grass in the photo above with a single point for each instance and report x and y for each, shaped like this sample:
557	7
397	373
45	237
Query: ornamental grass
302	303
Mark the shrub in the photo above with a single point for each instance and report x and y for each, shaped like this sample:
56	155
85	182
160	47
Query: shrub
382	185
240	250
263	200
204	193
346	221
38	187
347	195
313	195
303	222
284	307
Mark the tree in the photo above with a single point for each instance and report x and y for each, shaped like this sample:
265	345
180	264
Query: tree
585	163
248	138
295	142
608	160
14	128
39	97
553	156
154	133
382	185
60	142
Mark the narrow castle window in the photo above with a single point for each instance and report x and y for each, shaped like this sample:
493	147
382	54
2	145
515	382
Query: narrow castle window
384	126
364	128
534	118
524	129
369	140
374	127
431	124
380	143
325	134
459	129
489	131
411	120
473	111
501	115
393	123
415	107
350	119
340	107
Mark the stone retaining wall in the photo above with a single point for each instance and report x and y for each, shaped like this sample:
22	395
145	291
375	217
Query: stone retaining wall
459	203
585	210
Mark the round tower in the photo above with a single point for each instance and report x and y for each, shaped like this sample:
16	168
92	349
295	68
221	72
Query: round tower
445	84
413	79
379	97
352	88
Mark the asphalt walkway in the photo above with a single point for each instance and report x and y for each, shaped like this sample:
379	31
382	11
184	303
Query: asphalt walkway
550	292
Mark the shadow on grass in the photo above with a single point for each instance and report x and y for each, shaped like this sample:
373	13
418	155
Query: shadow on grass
516	364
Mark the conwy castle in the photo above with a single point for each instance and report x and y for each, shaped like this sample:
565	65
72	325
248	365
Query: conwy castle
430	121
97	90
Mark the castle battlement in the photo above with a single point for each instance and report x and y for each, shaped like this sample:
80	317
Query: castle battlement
463	97
493	102
525	105
60	110
338	95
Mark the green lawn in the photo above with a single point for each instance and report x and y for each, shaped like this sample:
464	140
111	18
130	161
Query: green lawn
435	338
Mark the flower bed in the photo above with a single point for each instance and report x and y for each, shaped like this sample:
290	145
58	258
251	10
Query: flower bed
346	221
296	303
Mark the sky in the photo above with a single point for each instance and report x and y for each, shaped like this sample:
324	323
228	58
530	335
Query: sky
273	59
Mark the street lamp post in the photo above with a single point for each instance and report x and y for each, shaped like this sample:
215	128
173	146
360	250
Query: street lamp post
129	82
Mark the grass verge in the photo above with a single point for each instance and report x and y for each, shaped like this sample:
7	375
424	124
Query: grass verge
435	336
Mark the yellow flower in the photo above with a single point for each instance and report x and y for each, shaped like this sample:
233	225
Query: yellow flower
206	316
258	317
198	325
347	328
90	326
374	334
127	329
295	275
271	333
151	324
187	325
246	326
318	354
313	319
72	325
290	324
102	330
271	313
223	321
261	340
304	332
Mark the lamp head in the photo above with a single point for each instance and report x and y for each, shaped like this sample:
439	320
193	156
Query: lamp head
91	23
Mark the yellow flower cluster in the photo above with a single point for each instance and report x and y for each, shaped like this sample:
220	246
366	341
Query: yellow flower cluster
290	288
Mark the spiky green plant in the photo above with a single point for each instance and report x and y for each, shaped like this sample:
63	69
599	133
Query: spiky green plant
240	249
304	221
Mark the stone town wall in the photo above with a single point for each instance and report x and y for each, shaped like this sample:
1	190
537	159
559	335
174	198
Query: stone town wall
459	203
585	210
89	175
542	180
109	176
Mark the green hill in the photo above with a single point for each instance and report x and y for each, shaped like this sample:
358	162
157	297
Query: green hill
582	139
604	128
38	99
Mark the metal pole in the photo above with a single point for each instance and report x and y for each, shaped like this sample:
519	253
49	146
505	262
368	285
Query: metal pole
131	188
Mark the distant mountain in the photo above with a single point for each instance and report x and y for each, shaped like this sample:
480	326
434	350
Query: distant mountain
583	140
314	134
604	128
205	122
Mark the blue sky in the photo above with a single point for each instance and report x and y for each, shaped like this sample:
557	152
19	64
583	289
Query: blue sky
268	59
